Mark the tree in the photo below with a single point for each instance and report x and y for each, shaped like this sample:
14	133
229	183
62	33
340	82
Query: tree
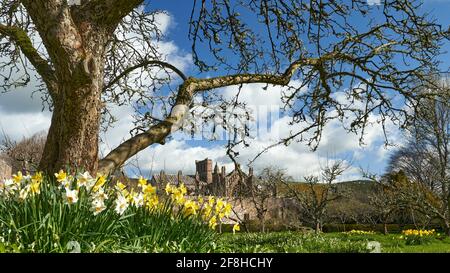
24	155
317	193
425	159
263	188
100	52
383	202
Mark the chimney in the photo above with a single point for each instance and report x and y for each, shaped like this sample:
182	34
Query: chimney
179	177
216	169
250	171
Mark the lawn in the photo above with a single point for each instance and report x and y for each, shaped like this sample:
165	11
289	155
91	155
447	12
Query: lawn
296	242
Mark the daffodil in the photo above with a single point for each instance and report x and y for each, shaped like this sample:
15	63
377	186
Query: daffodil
190	207
18	178
23	194
142	182
35	187
182	189
98	206
71	196
169	189
228	209
100	195
121	204
236	227
61	176
211	200
213	222
101	180
152	202
85	180
137	200
37	178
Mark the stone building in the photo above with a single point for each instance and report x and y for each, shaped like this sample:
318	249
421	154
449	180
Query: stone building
5	170
209	181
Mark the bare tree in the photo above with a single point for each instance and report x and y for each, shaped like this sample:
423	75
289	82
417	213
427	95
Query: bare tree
383	202
26	154
317	193
425	160
104	52
263	188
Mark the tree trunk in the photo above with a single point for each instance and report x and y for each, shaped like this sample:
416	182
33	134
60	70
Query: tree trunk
73	137
385	228
318	228
72	140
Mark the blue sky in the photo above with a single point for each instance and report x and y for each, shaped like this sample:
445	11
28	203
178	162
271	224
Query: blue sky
372	156
181	152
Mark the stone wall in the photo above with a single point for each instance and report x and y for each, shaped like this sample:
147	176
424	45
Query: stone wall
281	211
5	170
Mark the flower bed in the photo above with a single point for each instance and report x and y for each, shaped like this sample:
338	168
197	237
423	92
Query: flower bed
39	214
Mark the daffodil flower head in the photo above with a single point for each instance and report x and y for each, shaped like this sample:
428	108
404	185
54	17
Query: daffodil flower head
213	222
142	182
121	204
18	178
236	227
84	180
37	178
98	205
61	176
71	196
101	180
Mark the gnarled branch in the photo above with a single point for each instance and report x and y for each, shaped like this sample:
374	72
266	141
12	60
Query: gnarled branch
21	39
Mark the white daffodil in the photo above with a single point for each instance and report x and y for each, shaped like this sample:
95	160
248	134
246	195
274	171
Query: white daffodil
100	195
10	186
121	204
23	194
98	206
85	180
138	200
71	196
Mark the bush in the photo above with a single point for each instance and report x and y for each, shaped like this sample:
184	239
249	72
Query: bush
39	214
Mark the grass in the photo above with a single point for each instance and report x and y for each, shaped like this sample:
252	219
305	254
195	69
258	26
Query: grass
297	242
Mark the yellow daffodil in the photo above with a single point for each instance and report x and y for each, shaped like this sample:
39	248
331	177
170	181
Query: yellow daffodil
169	189
213	222
37	178
61	176
236	227
228	209
190	207
182	189
18	178
152	202
149	189
142	182
101	180
35	187
211	201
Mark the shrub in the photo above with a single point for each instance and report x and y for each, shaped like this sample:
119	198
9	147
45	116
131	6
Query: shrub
42	214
